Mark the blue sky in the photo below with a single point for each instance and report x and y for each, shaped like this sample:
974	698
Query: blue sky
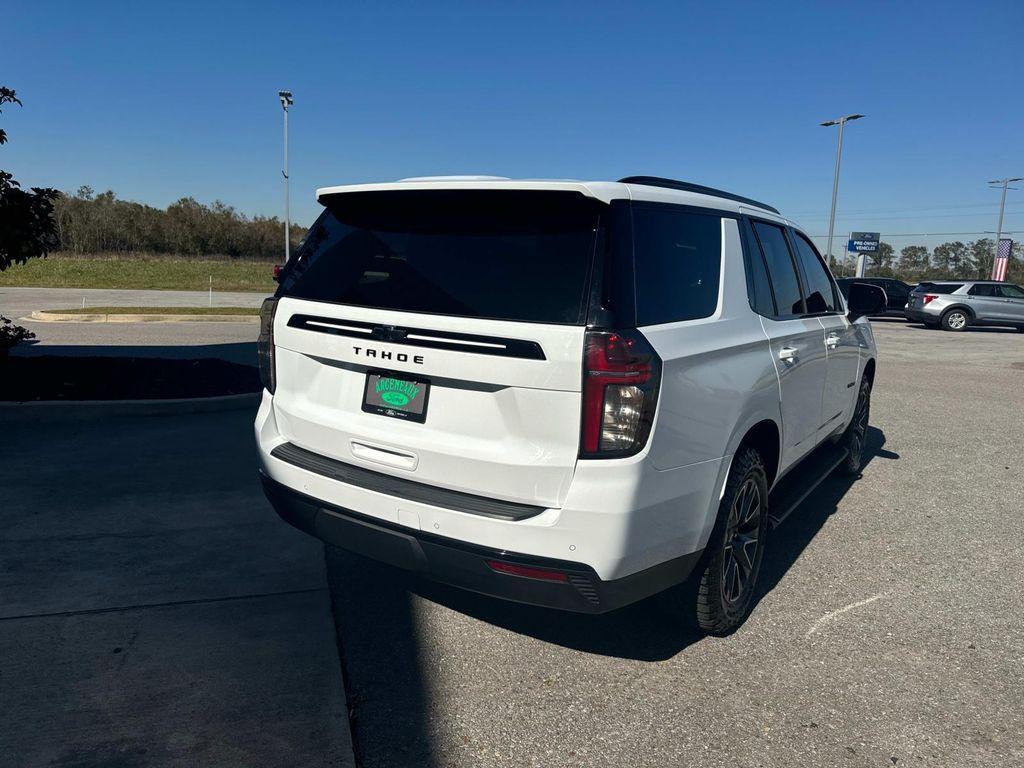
162	100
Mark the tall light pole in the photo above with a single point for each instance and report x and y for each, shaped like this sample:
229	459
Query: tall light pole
841	121
1005	184
286	101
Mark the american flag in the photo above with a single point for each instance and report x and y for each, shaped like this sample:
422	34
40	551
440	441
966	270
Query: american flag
1002	261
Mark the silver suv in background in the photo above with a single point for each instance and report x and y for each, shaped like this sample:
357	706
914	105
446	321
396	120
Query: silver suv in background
957	304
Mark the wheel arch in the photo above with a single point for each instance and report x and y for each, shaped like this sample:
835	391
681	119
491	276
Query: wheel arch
869	371
766	438
970	312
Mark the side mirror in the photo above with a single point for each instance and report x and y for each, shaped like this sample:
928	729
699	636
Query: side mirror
864	300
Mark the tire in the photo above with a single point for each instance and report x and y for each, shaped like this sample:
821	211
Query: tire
855	436
956	319
725	582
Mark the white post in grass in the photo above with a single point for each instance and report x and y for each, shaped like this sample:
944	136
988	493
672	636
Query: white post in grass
211	290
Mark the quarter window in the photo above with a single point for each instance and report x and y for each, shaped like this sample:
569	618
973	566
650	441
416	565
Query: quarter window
678	263
819	293
781	269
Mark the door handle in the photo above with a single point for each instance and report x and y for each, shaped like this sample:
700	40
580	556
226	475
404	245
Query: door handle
787	354
832	341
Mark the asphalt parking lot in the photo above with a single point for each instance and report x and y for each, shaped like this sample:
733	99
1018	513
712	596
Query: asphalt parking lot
889	632
155	611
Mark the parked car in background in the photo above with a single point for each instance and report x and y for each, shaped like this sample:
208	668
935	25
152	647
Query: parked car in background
957	304
897	292
570	394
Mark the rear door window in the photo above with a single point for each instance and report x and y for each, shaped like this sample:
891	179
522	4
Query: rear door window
781	269
819	294
508	255
678	263
982	289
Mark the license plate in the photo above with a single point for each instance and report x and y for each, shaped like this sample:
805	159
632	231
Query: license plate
397	396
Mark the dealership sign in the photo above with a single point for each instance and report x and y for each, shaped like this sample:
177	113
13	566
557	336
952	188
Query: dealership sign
863	242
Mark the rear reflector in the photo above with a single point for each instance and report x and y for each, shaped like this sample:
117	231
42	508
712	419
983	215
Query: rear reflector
513	569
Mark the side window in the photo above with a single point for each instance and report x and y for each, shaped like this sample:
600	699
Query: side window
982	289
1010	291
820	295
678	263
781	269
759	287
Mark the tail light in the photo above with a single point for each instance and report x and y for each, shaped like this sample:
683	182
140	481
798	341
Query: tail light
621	377
265	345
928	297
277	273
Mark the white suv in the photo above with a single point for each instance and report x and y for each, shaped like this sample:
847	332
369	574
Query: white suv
572	394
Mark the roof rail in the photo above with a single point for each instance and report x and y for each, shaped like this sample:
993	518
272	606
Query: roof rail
686	186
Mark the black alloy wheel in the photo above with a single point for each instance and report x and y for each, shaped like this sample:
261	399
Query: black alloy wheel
742	541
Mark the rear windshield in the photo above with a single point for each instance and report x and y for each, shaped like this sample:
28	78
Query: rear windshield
507	255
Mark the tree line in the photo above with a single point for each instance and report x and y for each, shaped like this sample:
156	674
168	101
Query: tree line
90	223
953	260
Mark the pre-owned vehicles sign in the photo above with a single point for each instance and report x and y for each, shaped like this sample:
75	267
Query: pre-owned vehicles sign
863	242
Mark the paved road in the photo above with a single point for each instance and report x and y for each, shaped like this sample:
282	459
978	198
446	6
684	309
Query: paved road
231	341
153	609
891	631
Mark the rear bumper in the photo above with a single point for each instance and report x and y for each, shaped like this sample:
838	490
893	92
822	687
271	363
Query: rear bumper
920	316
465	565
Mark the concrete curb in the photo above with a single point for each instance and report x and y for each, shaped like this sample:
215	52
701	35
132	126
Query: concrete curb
89	410
45	316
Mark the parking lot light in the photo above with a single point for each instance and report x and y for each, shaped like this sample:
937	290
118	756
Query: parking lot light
840	121
286	101
1005	184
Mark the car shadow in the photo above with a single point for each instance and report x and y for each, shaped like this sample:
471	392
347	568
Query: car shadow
243	352
889	319
968	329
378	611
789	540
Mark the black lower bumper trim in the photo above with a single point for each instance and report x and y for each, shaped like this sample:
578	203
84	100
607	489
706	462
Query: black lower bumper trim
465	565
402	487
